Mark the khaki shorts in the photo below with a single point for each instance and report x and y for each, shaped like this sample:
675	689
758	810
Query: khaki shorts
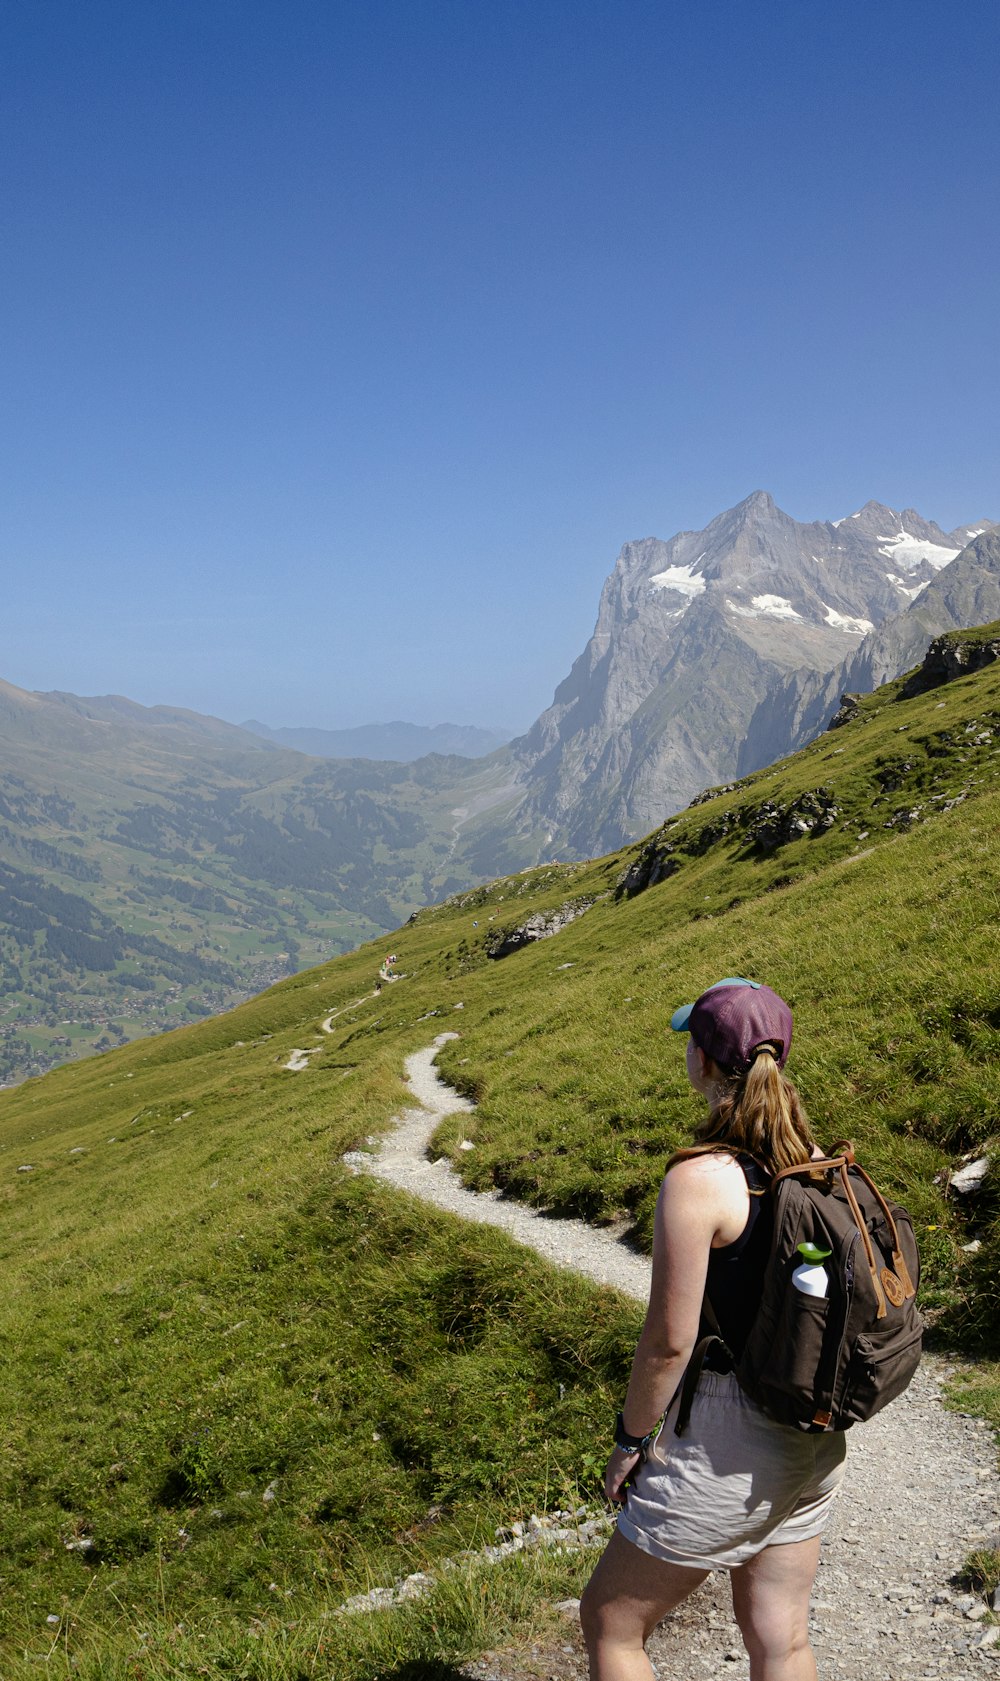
734	1483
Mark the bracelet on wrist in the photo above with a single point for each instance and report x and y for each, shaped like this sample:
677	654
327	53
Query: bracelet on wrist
631	1444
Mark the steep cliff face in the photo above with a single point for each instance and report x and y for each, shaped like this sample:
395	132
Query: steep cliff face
798	706
691	635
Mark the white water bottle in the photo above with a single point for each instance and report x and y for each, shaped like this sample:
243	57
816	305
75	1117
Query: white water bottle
811	1276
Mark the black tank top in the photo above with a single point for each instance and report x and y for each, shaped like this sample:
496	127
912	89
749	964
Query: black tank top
736	1273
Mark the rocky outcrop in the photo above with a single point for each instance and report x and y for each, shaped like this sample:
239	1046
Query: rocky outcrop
541	925
847	711
953	656
654	863
761	827
775	825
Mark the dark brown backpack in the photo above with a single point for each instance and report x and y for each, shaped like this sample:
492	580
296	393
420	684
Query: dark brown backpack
827	1362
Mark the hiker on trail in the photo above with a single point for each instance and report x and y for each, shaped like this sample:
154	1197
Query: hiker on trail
735	1490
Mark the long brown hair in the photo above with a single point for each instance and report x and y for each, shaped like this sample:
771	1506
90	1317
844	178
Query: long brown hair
759	1112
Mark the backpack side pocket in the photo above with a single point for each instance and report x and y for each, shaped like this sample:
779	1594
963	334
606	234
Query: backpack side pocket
880	1367
782	1377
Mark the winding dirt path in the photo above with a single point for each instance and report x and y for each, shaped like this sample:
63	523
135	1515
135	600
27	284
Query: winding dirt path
922	1488
401	1159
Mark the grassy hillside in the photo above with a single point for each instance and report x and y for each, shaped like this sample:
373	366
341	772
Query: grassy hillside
240	1384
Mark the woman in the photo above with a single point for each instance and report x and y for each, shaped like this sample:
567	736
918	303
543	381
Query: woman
735	1490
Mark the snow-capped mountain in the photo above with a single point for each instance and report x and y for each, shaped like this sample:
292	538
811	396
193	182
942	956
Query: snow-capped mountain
797	707
691	635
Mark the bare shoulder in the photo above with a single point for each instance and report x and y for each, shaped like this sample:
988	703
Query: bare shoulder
703	1202
705	1173
709	1186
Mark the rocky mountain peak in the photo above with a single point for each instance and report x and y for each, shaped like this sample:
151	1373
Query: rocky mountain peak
965	591
691	635
887	525
760	503
758	512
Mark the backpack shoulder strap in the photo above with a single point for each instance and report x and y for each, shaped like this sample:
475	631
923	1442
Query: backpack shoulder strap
692	1373
758	1176
759	1179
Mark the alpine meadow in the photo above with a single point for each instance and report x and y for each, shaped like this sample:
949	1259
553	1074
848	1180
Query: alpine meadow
242	1383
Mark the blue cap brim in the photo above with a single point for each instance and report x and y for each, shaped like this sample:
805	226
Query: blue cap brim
680	1018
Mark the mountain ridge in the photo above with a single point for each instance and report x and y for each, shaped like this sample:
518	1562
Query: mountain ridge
798	707
691	636
398	741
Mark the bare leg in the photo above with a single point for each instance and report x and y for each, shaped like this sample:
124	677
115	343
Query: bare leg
628	1594
771	1602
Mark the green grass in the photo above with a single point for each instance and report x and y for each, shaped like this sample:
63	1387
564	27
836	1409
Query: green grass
302	1638
203	1308
975	637
202	1305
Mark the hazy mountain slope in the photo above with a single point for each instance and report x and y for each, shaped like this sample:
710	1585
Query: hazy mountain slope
797	707
155	864
690	636
398	741
240	1383
174	724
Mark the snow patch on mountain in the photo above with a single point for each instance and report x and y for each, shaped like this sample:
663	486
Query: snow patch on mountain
907	551
684	579
765	607
902	588
844	621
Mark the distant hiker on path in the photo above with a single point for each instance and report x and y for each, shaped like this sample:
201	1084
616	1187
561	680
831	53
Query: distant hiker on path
735	1490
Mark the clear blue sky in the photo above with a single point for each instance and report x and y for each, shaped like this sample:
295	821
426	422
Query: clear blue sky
344	343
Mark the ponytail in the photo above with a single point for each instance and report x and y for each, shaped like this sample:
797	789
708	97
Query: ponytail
760	1112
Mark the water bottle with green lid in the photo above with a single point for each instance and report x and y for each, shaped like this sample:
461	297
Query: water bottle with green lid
811	1277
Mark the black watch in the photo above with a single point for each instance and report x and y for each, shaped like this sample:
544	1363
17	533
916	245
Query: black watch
631	1444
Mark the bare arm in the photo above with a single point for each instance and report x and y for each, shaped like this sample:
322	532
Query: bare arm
698	1199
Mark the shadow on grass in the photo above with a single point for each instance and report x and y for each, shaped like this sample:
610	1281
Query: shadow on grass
423	1669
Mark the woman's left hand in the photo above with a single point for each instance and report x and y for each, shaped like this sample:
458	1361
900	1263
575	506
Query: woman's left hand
619	1468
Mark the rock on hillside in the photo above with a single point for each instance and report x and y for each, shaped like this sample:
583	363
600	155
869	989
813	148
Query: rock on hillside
691	635
954	655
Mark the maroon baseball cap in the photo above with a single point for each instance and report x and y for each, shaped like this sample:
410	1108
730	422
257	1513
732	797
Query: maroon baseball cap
732	1018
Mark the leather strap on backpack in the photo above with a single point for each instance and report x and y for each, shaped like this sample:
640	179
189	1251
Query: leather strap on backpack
899	1265
840	1164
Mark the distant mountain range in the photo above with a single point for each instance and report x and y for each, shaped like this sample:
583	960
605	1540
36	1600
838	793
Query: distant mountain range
399	742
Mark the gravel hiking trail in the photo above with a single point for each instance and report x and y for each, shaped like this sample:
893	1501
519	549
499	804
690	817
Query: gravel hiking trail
922	1488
